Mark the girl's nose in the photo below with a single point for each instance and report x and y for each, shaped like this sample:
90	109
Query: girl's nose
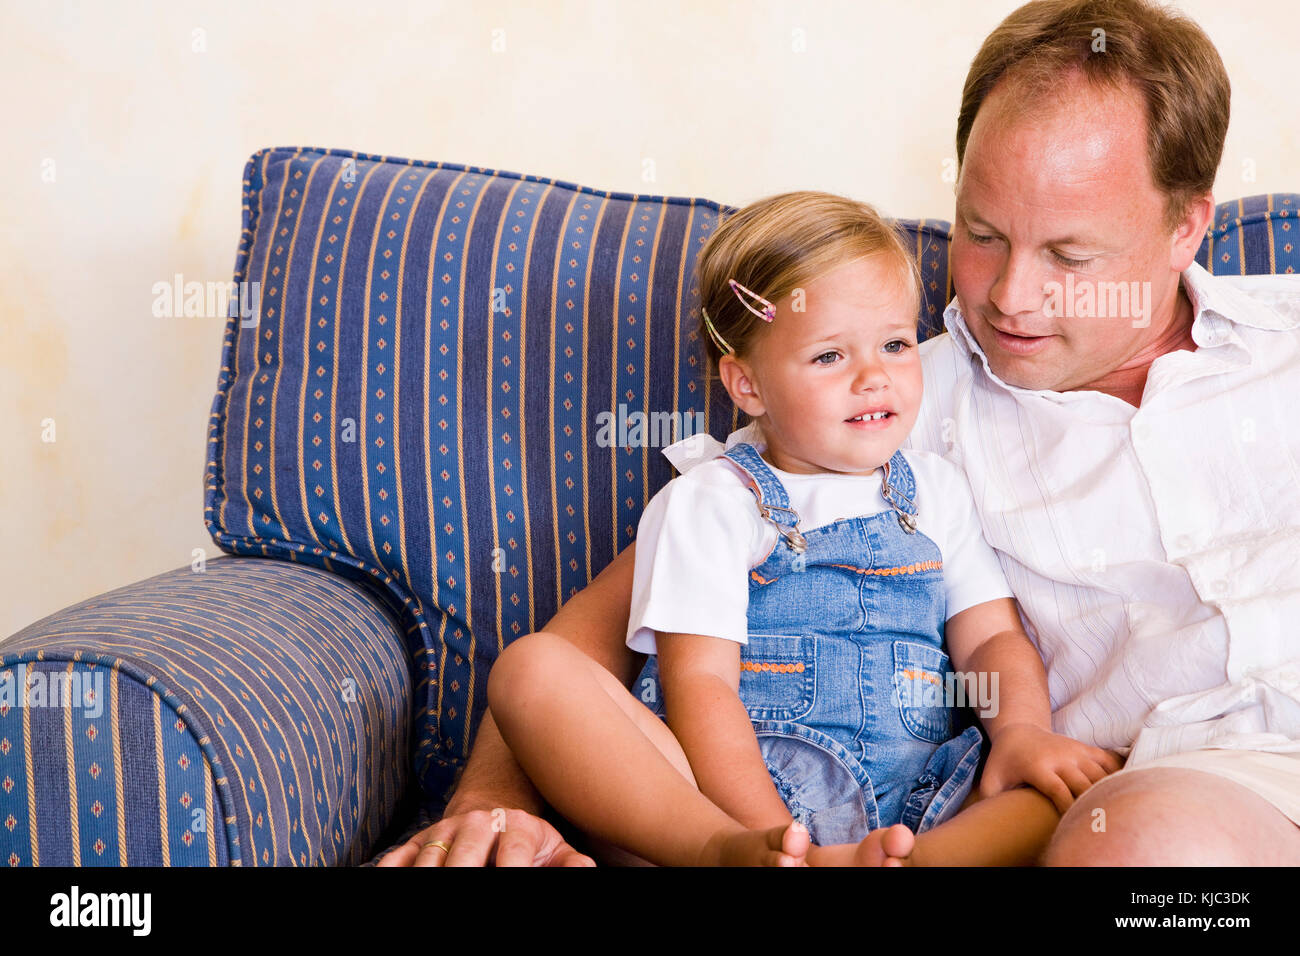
870	375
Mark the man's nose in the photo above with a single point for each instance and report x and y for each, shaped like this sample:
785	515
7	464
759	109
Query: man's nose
1019	286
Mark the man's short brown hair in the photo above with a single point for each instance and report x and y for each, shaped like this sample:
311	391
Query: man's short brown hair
1164	55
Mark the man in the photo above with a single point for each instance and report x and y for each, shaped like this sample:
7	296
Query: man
1127	425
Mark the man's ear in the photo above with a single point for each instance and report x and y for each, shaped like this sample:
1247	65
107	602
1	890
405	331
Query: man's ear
1190	233
738	379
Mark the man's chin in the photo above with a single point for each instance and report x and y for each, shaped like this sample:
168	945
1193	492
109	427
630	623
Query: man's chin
1021	371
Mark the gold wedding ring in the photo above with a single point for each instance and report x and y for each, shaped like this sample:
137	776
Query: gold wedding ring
439	844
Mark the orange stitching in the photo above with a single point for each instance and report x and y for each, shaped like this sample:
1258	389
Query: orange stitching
795	668
910	569
922	675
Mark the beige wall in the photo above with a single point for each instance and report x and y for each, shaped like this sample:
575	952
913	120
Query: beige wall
148	135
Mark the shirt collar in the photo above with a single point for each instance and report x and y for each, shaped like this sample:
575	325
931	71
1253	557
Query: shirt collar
699	448
1219	306
1222	299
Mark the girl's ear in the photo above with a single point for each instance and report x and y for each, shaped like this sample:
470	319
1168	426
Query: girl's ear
738	378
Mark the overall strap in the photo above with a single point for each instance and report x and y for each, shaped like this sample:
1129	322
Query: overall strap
898	487
773	502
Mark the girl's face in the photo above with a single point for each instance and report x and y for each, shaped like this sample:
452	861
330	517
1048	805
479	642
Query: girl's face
813	373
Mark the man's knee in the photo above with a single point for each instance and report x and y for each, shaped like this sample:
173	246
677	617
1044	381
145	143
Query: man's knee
1158	817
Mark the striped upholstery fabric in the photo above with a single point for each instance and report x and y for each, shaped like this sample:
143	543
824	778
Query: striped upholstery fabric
257	713
1254	236
418	402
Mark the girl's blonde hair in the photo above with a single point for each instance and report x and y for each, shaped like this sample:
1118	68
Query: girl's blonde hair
777	245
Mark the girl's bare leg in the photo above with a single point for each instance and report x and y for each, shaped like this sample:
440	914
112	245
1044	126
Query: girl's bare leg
1011	828
604	761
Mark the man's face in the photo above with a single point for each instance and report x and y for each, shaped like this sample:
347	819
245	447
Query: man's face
1060	190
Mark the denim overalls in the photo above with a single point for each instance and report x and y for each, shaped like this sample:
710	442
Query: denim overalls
844	673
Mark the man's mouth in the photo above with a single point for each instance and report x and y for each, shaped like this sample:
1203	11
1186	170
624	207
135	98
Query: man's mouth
1019	343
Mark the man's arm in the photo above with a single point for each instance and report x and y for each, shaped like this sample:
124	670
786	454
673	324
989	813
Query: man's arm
594	620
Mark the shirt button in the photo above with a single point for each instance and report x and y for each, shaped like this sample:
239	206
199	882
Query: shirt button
1218	587
1140	432
1184	542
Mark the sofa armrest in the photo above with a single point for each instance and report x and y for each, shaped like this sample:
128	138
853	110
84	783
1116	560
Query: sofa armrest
254	713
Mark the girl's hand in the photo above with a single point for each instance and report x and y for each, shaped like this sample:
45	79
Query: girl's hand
1059	767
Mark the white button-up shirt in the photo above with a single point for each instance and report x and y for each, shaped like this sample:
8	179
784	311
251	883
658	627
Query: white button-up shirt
1154	551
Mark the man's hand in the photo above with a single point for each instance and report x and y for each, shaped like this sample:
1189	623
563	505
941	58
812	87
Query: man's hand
1059	767
477	837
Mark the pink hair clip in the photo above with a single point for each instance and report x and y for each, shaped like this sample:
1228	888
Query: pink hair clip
718	339
767	314
769	310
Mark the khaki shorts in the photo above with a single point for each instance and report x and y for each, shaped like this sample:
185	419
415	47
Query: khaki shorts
1273	776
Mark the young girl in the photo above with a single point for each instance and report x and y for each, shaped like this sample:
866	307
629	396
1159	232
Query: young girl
806	594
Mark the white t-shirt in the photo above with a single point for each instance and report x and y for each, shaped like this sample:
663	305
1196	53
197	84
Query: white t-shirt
700	535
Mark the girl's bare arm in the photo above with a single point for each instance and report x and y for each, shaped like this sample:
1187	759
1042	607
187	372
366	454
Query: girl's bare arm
701	680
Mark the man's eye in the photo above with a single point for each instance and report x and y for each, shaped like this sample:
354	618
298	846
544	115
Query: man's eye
818	359
903	346
1070	263
978	239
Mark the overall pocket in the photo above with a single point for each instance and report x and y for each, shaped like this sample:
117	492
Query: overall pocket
778	676
920	682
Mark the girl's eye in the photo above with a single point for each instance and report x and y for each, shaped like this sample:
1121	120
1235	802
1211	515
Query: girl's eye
903	345
1070	263
818	359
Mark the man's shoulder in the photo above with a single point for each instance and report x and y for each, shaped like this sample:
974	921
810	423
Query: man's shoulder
936	345
943	361
1265	302
945	369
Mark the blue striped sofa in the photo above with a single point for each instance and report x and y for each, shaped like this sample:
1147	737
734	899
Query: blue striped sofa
406	473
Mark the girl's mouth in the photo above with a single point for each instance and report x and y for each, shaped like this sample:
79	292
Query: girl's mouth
872	420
